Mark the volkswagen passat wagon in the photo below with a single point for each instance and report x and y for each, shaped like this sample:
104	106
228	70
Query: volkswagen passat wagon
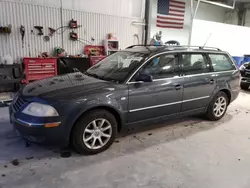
138	84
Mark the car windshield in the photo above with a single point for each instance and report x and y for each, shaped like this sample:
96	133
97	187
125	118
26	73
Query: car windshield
116	67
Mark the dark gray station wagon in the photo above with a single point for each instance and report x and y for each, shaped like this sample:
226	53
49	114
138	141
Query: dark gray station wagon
139	84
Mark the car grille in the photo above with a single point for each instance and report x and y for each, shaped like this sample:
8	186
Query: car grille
18	104
246	73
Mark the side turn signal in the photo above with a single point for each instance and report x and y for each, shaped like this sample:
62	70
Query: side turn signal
49	125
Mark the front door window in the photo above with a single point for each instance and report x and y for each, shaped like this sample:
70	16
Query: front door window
163	66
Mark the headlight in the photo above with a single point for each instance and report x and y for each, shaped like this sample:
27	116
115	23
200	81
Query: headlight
40	110
242	67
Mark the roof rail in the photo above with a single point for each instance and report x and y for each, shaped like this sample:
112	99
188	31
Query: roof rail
142	45
177	46
200	47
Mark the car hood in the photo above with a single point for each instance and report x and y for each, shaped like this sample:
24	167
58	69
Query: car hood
66	86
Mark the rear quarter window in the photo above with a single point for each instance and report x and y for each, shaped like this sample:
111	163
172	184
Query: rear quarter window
221	62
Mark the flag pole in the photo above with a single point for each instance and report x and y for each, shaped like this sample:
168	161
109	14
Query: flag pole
193	15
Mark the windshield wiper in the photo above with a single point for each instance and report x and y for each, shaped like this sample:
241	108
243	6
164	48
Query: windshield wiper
93	75
101	77
110	79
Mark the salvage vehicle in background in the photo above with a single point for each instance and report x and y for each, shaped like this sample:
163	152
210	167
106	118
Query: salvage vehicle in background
245	74
139	84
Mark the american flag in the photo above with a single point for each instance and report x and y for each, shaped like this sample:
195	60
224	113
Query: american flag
170	14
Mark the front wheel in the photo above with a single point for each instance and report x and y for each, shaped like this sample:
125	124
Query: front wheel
217	107
94	132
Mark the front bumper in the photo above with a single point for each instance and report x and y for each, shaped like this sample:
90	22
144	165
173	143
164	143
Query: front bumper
34	130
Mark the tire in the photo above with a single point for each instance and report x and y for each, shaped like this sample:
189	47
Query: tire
85	128
211	113
244	86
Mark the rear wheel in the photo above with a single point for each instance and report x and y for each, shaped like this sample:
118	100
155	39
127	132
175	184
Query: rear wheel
94	132
244	86
218	106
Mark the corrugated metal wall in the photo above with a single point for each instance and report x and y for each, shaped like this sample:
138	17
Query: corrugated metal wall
97	26
232	17
247	23
126	8
18	14
93	25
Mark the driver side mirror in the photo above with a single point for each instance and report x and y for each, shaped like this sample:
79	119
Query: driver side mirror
144	77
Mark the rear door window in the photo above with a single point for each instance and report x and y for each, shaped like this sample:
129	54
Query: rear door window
195	63
221	62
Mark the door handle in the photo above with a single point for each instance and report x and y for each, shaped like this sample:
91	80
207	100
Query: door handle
211	81
177	87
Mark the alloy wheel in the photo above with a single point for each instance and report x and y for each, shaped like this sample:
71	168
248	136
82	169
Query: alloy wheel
97	133
220	106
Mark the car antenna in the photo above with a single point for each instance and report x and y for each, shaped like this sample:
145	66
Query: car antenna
207	40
